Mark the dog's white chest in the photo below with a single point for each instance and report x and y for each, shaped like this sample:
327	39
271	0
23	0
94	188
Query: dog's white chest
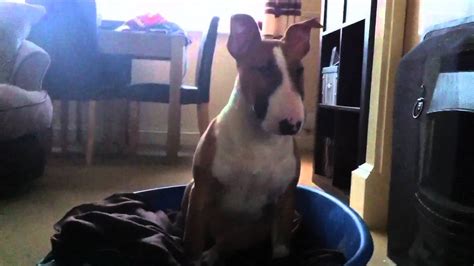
253	174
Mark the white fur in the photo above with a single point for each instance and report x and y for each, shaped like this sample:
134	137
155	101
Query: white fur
285	102
251	163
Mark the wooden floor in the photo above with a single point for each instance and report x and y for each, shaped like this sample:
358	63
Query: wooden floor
67	183
306	175
326	184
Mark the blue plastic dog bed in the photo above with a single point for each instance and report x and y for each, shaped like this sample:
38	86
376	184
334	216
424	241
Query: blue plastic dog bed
332	224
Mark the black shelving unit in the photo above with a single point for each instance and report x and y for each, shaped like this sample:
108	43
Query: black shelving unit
340	107
341	129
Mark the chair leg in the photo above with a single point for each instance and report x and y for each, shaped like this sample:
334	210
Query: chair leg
64	125
133	126
203	117
91	124
79	122
107	126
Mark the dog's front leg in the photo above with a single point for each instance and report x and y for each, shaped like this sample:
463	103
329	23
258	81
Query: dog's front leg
195	225
283	223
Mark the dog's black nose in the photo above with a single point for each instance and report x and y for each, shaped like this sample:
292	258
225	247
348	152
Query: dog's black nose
288	128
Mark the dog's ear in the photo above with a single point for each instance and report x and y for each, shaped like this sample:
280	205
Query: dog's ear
297	38
244	34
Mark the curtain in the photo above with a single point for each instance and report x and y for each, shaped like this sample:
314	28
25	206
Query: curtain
279	14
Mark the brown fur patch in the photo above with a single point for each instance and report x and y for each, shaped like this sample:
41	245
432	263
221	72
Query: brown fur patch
200	195
206	149
259	76
296	71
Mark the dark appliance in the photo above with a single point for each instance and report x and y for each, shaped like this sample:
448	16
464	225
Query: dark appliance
431	208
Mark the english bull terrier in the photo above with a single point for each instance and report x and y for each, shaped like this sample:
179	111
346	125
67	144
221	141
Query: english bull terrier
246	165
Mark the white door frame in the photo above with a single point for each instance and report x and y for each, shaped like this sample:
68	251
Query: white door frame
370	182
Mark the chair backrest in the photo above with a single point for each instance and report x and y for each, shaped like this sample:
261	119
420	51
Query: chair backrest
68	32
204	62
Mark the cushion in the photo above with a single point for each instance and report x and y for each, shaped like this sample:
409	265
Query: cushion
15	24
23	112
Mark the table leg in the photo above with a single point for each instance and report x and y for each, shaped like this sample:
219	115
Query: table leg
174	108
107	125
79	122
91	125
64	125
133	126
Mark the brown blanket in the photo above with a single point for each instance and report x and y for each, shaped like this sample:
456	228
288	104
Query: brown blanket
124	230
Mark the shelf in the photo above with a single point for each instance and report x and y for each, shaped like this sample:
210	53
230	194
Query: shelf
326	184
331	31
352	23
342	26
340	108
351	64
341	138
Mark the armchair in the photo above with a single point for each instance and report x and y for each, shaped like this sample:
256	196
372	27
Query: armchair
25	119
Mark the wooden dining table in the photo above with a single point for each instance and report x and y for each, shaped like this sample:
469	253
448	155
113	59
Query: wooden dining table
153	46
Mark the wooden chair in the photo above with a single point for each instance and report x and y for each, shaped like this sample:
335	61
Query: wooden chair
78	72
159	93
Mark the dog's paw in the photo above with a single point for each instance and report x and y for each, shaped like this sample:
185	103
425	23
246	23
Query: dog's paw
209	258
280	251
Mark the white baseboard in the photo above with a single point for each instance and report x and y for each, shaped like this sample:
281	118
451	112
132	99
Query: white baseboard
304	140
159	137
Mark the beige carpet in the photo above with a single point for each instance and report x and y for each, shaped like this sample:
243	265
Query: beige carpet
26	221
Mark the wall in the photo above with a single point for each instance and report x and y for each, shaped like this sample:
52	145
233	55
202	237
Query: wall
439	11
370	181
153	117
423	15
312	8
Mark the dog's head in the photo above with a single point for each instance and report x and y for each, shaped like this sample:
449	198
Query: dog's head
271	72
